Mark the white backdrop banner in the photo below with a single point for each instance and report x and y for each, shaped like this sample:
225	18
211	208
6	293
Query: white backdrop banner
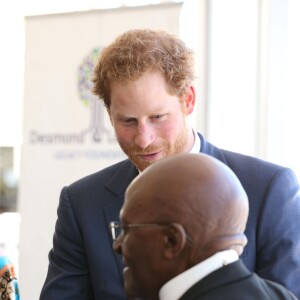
67	133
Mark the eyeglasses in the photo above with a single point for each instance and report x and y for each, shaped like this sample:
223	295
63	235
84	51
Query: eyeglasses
118	228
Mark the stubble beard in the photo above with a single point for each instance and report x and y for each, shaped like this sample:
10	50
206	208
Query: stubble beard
179	146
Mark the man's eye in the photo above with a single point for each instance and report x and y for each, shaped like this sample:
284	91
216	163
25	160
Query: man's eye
157	116
128	121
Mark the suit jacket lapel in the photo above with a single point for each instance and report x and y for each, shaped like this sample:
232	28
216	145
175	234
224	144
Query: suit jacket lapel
122	177
117	186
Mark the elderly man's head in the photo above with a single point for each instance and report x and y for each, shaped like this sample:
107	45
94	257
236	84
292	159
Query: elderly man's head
177	213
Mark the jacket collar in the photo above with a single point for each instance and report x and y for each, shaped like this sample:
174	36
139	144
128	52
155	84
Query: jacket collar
122	177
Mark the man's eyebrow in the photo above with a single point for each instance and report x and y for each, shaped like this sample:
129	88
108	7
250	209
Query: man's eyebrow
118	115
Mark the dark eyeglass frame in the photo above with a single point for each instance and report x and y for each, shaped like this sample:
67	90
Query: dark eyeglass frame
115	226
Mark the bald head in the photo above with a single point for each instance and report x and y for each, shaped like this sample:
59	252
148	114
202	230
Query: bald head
178	212
199	192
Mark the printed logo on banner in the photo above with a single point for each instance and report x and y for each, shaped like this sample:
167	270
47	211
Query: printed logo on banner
98	129
97	126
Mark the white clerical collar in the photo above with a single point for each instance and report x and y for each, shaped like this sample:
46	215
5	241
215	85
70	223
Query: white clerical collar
177	286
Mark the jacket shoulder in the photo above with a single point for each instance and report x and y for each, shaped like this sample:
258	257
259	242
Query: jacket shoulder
238	161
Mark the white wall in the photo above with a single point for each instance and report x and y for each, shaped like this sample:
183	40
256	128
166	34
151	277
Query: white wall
11	71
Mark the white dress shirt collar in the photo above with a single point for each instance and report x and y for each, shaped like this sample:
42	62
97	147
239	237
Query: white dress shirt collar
177	286
197	143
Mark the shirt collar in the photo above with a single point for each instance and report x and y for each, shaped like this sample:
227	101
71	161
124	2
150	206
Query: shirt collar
197	143
177	286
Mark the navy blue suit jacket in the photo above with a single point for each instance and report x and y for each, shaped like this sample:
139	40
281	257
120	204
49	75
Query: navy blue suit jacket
235	282
82	264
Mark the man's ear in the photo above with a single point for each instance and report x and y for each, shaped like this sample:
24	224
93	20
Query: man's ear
174	240
189	99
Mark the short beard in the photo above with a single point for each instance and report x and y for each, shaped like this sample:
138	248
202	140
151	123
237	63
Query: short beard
168	149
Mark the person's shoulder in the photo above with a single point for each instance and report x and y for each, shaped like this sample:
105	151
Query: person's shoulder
237	161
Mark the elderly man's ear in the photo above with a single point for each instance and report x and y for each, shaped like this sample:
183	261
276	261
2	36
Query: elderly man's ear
174	240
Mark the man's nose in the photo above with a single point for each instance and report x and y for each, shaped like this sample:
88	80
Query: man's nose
145	135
